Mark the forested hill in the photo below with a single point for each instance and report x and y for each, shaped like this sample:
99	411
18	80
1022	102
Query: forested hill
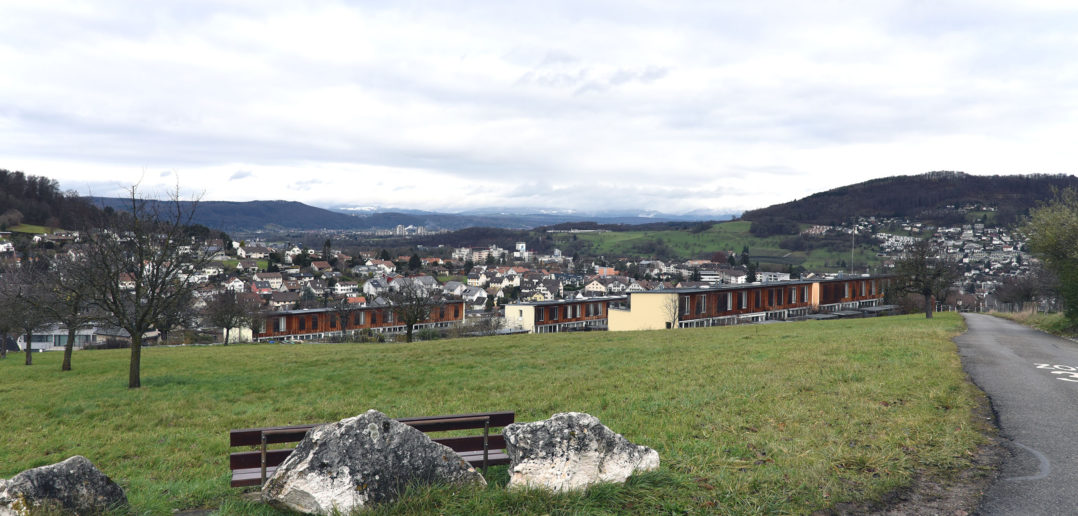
26	199
924	197
230	216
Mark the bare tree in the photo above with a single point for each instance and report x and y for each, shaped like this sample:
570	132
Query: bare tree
671	308
20	294
230	310
411	304
65	298
7	323
181	315
341	310
926	270
139	268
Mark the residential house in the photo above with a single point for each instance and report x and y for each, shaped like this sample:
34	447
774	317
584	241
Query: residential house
275	279
321	266
385	266
283	300
375	287
345	288
474	296
453	288
247	266
260	288
234	284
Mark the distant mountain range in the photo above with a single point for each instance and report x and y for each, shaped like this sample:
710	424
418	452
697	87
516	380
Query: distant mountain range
932	197
278	215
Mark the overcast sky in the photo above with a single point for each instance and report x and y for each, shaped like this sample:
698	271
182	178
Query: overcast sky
659	105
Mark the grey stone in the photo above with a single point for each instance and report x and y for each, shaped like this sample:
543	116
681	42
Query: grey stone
572	450
360	461
74	486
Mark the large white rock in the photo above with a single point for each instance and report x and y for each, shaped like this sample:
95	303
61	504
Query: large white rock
572	450
361	461
73	486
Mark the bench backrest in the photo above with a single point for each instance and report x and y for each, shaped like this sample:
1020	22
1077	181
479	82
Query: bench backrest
287	434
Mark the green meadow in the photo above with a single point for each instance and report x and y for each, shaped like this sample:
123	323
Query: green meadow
724	236
779	418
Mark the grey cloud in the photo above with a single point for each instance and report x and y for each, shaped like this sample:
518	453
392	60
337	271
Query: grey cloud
240	174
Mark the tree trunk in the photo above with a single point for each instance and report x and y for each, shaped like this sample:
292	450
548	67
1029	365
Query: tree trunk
408	337
3	346
66	366
29	348
227	330
929	306
134	381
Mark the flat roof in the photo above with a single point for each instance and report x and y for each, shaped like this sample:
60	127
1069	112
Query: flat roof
567	301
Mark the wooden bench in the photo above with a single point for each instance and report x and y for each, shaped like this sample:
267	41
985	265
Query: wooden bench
252	468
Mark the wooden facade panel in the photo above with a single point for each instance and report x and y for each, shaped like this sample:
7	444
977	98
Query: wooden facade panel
281	324
571	311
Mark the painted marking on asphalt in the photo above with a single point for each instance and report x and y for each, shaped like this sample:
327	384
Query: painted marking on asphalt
1043	469
1071	373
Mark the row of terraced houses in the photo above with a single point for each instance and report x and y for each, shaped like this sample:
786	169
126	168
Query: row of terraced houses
650	310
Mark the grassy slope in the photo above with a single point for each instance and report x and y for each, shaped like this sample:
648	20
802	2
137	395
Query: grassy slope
1054	323
725	236
784	418
32	229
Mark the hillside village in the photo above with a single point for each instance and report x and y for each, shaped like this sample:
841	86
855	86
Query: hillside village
279	276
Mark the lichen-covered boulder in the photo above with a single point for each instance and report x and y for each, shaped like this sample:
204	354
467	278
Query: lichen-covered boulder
74	486
572	450
360	461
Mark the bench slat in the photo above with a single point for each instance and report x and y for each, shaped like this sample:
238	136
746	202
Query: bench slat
242	477
446	423
253	436
253	459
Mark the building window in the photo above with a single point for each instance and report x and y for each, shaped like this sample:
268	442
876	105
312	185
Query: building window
683	301
845	290
758	298
793	295
805	294
744	299
441	312
540	314
456	311
389	317
374	318
862	289
281	324
333	321
303	323
770	297
701	304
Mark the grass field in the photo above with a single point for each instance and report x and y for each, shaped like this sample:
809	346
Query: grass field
778	418
32	229
724	236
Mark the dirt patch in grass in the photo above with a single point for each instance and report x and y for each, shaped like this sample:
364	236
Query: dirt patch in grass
956	495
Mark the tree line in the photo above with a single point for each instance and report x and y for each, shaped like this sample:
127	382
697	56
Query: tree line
134	272
38	200
924	197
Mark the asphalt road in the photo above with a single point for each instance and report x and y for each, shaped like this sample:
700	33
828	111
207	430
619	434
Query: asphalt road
1032	380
